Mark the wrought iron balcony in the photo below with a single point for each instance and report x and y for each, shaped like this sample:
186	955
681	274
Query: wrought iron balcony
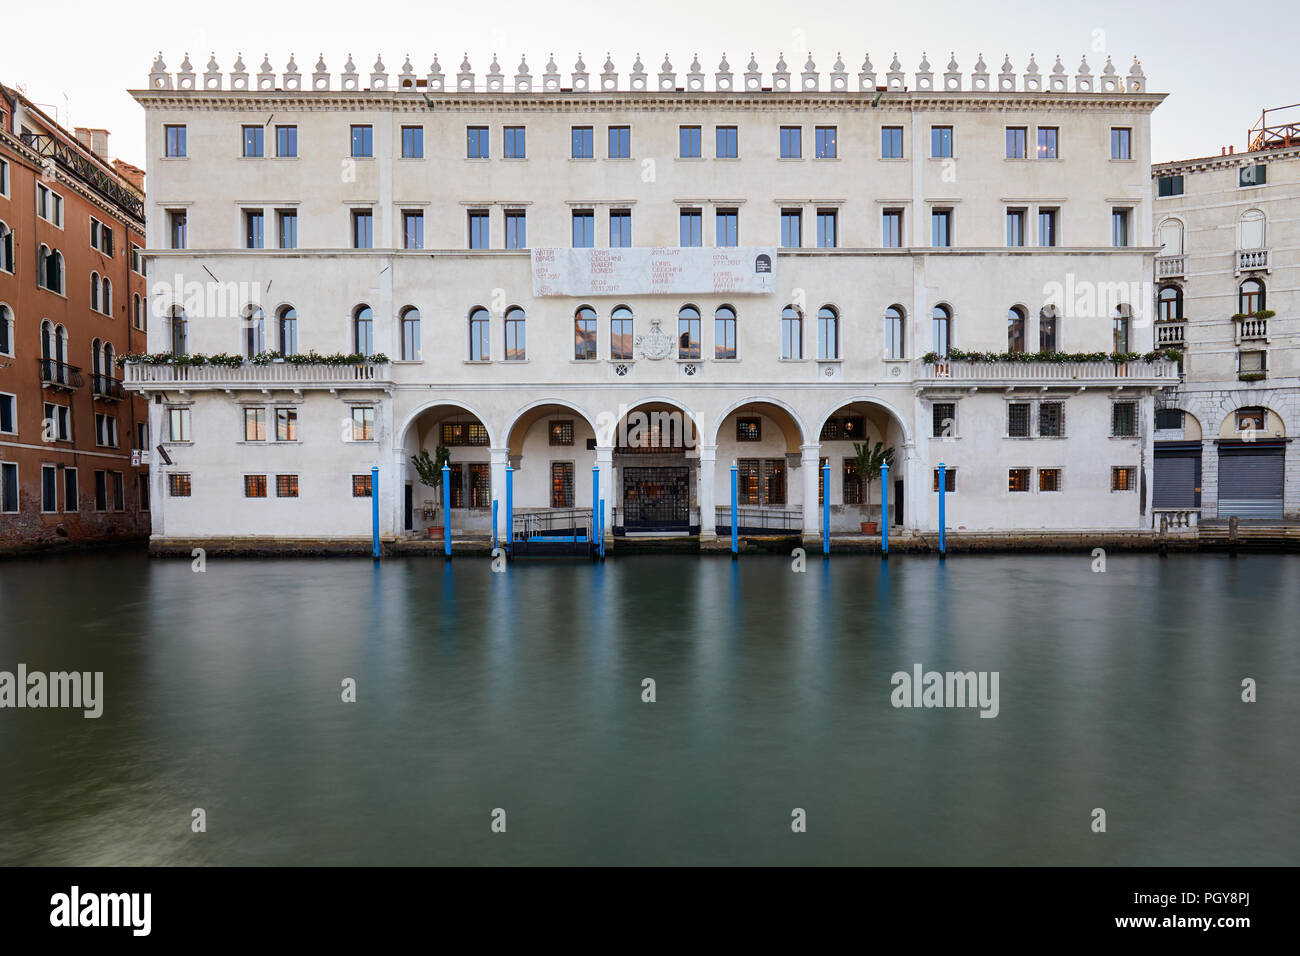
276	375
60	375
106	388
1170	267
1171	334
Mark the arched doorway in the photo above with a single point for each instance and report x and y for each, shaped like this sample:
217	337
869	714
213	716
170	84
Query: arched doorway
1252	464
856	497
656	465
468	443
764	439
552	448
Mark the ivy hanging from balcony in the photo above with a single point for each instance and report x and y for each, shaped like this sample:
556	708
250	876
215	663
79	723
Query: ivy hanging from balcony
226	360
1055	358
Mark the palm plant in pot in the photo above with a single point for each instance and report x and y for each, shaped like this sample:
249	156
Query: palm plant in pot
868	458
429	469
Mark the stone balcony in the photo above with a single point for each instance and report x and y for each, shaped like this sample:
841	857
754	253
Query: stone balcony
277	375
1250	329
1170	334
1249	260
1170	267
964	374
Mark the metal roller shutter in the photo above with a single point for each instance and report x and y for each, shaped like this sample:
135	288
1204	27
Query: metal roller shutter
1250	480
1177	477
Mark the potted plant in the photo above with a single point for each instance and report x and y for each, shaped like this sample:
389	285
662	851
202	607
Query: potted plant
429	469
869	457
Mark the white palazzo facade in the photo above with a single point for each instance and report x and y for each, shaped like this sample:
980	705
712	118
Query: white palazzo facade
751	268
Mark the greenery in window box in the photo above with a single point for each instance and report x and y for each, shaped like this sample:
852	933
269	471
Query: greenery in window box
429	468
1260	314
1055	358
868	457
1251	376
226	360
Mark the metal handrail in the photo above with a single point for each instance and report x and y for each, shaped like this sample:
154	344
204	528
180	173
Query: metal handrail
60	373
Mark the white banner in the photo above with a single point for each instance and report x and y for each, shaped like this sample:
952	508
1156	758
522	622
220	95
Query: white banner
739	270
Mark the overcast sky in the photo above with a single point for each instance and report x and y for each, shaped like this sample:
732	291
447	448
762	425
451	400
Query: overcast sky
1220	63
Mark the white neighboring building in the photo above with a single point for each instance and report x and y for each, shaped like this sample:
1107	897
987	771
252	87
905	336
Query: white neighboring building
1229	293
764	258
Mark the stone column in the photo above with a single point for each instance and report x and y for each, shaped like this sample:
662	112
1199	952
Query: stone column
707	492
916	487
605	462
499	458
812	510
1210	476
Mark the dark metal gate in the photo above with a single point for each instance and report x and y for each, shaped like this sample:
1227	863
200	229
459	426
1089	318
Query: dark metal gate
1251	480
1177	476
656	499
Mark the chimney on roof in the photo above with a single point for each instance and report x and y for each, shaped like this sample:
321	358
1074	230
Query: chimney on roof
132	174
95	140
1232	150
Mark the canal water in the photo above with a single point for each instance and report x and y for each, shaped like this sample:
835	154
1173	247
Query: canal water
523	692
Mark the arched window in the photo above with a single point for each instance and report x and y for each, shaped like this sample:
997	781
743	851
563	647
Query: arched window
1015	329
60	344
47	340
254	331
724	332
688	332
363	330
791	333
180	331
6	330
42	265
479	350
1252	229
1120	325
584	333
941	323
137	311
53	271
828	332
1049	329
1169	304
106	299
1250	296
96	357
516	334
1170	236
288	330
6	248
620	333
894	328
411	334
108	359
94	291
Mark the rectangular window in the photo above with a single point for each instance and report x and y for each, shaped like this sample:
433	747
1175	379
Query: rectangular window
253	142
287	223
8	414
516	229
561	432
949	480
692	227
828	228
1049	479
941	228
727	143
688	142
581	143
174	141
561	484
514	143
49	488
413	229
620	228
749	429
480	484
1051	420
747	478
361	486
254	229
464	433
286	142
105	430
119	496
825	142
286	424
71	494
254	424
49	205
1169	186
363	142
1121	143
363	229
941	142
584	229
791	228
1119	227
363	423
1015	227
177	228
1017	419
1169	419
1047	142
728	223
4	177
1123	420
1252	176
1047	227
480	236
255	486
137	260
1017	479
1017	142
891	228
412	142
178	424
101	491
1123	478
286	486
8	487
1251	361
56	422
620	142
792	142
178	485
944	419
891	142
852	482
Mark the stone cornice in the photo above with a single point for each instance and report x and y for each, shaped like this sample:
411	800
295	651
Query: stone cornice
1230	161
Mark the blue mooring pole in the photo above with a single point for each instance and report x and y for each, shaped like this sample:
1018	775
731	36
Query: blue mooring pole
510	509
374	509
602	529
494	523
884	509
943	485
826	507
446	511
595	500
735	536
